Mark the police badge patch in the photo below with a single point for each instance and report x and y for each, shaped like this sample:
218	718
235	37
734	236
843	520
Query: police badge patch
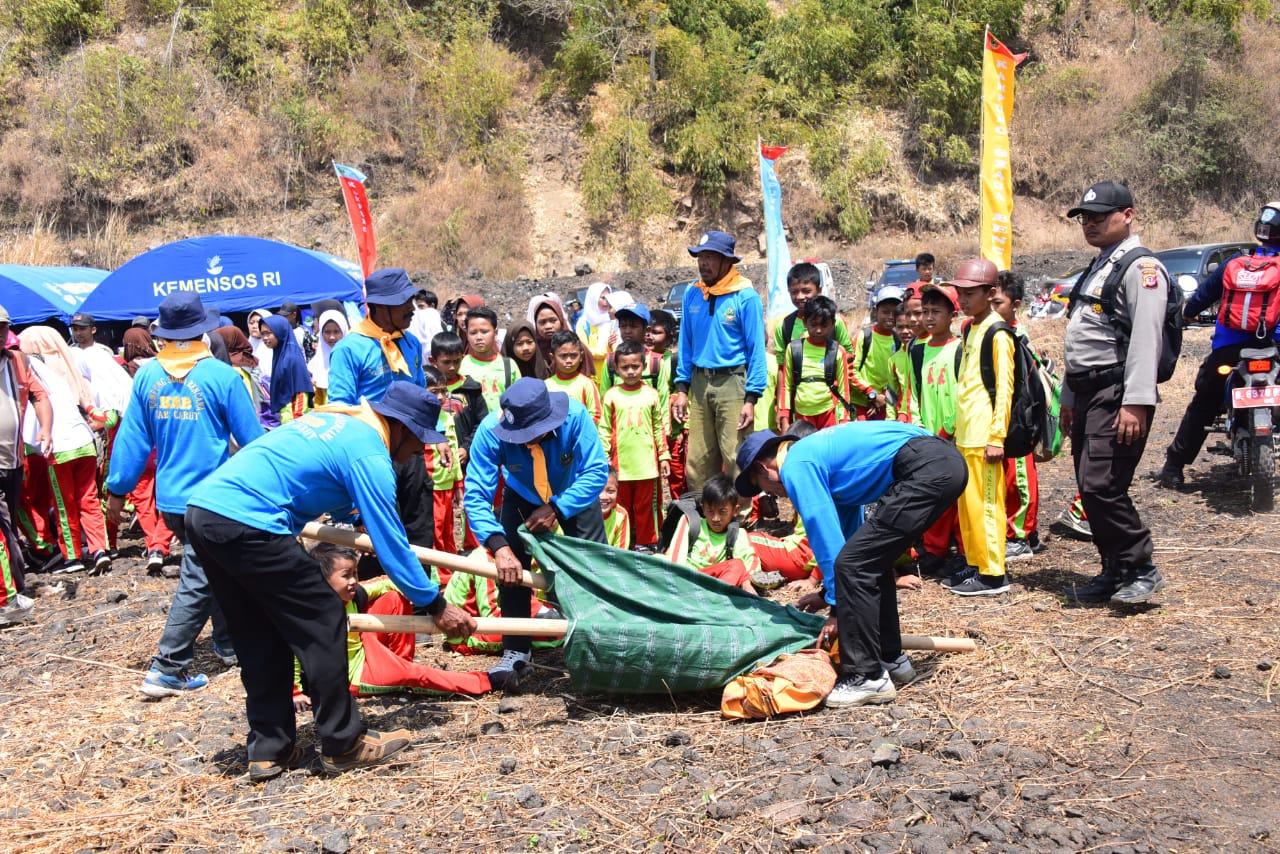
1150	274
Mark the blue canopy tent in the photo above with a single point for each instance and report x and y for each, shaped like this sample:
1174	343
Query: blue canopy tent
236	274
34	294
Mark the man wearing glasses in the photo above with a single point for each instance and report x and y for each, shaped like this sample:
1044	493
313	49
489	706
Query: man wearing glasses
1113	343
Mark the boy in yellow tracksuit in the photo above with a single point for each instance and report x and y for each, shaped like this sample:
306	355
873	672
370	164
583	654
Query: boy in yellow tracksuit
982	422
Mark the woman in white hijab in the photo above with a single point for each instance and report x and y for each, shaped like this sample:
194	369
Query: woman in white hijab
596	328
260	350
333	328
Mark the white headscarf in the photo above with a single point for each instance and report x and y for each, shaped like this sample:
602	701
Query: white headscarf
319	364
591	307
260	350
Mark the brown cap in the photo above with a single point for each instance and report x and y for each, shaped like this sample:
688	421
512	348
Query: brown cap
975	273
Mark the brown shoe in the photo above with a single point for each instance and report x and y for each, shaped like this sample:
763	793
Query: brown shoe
261	770
372	748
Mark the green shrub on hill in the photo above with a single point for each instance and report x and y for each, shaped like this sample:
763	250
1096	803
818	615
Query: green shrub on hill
842	162
620	175
55	25
114	117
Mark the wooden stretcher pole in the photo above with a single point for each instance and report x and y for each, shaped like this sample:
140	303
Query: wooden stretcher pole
410	624
922	642
361	542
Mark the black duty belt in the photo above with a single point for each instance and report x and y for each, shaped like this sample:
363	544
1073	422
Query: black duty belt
721	372
1095	378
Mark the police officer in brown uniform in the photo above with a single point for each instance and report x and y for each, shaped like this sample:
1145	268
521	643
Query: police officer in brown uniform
1113	344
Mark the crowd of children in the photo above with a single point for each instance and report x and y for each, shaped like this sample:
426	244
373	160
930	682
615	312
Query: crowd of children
935	354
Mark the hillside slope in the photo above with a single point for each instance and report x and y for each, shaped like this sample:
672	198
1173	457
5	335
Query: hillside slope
489	148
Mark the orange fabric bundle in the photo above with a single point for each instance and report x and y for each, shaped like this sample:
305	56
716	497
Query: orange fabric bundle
789	683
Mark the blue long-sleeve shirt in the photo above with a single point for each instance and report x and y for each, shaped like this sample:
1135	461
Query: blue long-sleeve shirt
733	336
357	368
831	474
188	422
1210	291
320	463
576	468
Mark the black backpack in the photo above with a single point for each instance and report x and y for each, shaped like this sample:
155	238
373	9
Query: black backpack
789	329
689	506
1170	331
1029	408
830	362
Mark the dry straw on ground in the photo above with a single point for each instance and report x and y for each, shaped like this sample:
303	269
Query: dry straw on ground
1071	729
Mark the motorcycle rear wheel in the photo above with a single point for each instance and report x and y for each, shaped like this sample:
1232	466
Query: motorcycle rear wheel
1263	475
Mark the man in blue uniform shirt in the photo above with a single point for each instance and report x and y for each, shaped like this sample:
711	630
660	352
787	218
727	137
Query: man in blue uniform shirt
188	406
244	522
548	450
829	476
378	351
721	372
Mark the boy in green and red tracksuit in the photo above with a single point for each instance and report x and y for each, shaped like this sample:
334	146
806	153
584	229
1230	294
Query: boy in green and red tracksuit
872	353
937	357
633	431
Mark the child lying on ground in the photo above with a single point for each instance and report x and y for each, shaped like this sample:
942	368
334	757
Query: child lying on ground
714	550
383	663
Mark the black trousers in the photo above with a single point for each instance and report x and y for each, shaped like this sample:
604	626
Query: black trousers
415	504
928	476
517	601
278	605
1104	472
1204	406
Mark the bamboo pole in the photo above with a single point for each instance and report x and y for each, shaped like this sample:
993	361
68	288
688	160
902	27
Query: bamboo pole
361	542
411	624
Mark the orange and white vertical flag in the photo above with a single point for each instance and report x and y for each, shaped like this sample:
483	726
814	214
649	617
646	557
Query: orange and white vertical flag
996	178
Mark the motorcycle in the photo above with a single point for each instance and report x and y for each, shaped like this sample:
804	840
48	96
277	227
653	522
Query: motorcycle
1253	408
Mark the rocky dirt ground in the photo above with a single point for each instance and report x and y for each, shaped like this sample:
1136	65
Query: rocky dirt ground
1071	729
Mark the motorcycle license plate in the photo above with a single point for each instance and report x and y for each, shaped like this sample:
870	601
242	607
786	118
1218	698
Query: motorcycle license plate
1247	398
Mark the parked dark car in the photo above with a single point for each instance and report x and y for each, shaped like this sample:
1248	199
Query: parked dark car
900	272
1191	265
674	300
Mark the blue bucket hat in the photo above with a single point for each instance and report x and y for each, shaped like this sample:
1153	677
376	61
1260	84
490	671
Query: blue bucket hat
414	407
529	410
759	443
390	286
183	317
719	242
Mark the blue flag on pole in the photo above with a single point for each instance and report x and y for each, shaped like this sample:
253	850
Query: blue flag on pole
779	255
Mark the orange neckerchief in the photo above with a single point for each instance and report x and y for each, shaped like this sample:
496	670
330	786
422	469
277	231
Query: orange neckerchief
179	357
364	412
541	479
731	283
390	352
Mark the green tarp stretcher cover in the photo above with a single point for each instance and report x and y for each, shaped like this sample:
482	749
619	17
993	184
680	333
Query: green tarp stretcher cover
641	625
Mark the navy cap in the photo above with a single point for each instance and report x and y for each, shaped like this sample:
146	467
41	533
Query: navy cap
414	407
759	443
183	317
82	319
389	286
529	410
720	242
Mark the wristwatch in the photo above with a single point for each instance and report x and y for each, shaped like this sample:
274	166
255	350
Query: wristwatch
871	395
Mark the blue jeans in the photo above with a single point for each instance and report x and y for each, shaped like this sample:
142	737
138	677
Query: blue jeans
193	604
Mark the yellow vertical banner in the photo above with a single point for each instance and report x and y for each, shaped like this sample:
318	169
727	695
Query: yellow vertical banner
998	63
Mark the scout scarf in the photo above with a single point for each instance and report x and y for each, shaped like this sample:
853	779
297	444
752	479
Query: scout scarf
731	283
364	413
179	357
395	359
